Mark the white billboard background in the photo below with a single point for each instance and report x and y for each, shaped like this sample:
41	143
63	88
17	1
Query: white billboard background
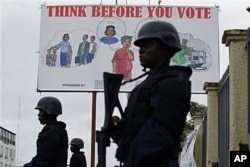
199	25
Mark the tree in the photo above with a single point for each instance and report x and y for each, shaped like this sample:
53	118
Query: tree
195	109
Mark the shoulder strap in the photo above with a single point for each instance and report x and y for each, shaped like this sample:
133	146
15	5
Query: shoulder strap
144	94
145	91
53	129
179	74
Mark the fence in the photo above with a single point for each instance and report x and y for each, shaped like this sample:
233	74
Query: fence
223	119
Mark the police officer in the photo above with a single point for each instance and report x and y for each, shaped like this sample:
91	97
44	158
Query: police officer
156	111
78	158
52	142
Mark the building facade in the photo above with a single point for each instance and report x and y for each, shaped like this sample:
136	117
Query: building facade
7	148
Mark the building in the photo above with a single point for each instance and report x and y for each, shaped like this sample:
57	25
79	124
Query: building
7	148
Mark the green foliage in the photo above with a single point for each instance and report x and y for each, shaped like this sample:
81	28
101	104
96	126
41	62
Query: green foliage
188	128
195	109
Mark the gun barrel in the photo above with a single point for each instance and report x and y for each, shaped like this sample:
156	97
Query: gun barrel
102	143
112	83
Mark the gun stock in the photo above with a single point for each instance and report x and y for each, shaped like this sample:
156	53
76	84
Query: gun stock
112	83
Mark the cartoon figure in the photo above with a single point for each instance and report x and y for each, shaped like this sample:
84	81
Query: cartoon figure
83	50
123	57
180	57
48	57
53	57
110	32
64	44
69	56
92	49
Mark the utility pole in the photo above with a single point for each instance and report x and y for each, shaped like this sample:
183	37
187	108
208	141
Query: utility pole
18	126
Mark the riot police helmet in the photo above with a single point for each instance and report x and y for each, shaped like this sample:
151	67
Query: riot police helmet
50	105
162	30
77	142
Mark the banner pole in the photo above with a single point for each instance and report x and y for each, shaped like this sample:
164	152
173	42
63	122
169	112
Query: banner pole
93	129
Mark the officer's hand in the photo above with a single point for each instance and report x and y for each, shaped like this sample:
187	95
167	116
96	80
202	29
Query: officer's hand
115	120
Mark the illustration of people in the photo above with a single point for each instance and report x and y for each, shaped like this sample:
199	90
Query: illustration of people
92	49
69	56
48	57
110	32
180	57
83	49
64	44
123	57
53	57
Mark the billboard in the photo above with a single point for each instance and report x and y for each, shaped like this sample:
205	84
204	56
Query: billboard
79	43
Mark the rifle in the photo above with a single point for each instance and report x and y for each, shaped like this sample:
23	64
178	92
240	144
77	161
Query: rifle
112	83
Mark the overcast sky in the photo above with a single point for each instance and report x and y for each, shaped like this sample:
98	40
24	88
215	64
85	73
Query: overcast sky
19	44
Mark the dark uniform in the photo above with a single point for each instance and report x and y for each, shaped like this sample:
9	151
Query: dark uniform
52	142
52	145
78	158
157	108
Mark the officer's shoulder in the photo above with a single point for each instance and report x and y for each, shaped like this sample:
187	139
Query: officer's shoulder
178	70
178	74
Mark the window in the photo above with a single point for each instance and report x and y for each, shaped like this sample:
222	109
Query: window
4	136
11	153
12	139
1	151
1	135
6	152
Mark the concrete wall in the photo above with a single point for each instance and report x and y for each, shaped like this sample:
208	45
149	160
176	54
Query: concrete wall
212	123
236	40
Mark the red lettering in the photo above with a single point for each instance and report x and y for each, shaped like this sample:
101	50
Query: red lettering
104	11
50	9
96	11
73	11
66	11
81	11
150	11
190	12
138	11
198	13
160	12
111	11
199	10
207	13
59	11
168	12
181	11
120	11
130	11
